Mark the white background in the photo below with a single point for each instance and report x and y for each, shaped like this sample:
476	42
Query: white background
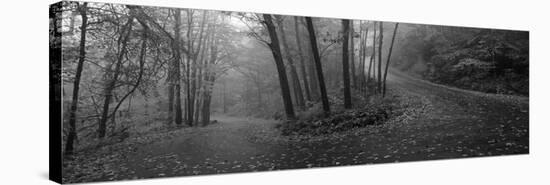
24	91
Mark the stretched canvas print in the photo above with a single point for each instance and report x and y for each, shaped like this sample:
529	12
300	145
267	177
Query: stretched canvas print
143	92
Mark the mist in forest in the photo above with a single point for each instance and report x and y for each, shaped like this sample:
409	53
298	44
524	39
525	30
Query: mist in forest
157	92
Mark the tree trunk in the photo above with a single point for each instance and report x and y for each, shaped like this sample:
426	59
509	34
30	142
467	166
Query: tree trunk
76	85
195	66
192	89
364	75
313	79
224	98
124	37
380	37
171	90
318	66
373	55
388	59
276	51
210	77
189	99
302	62
361	64
176	63
207	97
201	60
345	64
362	58
206	109
293	73
352	54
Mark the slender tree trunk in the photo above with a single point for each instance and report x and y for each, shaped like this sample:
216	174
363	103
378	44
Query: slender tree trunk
224	98
69	149
206	109
189	99
310	65
380	38
199	93
177	60
205	83
207	97
360	81
372	56
195	69
193	89
276	51
171	90
293	72
361	64
313	79
124	37
318	66
345	64
210	77
302	62
352	54
364	75
388	59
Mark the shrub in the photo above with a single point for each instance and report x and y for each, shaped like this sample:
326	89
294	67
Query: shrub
313	123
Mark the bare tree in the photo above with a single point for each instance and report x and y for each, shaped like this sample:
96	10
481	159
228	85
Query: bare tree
364	75
141	58
187	69
318	67
345	63
352	54
380	39
362	56
313	79
199	57
122	45
277	55
298	94
209	77
388	59
373	55
176	51
76	84
302	62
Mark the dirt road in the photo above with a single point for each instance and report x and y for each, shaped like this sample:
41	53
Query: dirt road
461	124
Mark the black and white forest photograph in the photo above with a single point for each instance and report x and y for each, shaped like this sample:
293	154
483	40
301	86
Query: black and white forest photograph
149	92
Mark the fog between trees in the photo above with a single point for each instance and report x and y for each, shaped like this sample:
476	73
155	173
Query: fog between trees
133	69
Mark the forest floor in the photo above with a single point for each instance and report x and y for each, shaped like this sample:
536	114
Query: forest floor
459	124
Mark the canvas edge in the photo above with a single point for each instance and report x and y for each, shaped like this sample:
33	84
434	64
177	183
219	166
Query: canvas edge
55	103
55	85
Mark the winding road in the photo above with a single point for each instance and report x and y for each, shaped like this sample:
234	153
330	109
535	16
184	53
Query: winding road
460	124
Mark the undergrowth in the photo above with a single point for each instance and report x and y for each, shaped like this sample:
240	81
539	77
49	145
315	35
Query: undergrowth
397	106
374	113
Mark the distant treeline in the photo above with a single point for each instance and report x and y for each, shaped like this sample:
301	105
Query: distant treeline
487	60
